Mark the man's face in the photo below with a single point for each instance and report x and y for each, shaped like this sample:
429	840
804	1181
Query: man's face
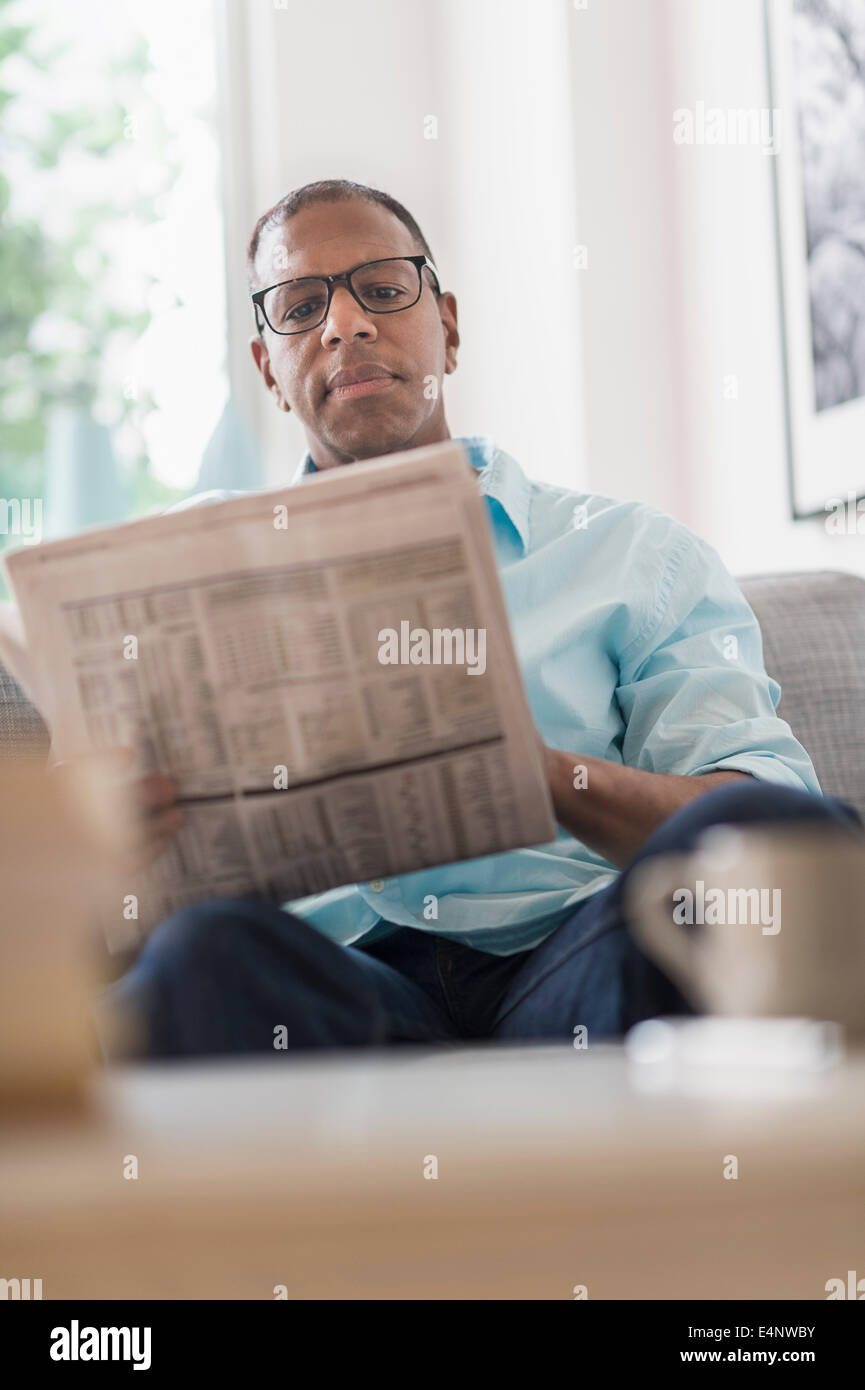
417	346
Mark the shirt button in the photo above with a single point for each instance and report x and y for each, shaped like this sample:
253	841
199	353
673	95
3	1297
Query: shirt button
377	884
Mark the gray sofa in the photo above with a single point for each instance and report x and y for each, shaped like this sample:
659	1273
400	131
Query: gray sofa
813	628
814	645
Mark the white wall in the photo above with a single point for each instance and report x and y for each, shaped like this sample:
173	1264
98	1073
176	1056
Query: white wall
623	178
510	226
684	291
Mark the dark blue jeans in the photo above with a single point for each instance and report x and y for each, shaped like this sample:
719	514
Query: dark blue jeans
238	975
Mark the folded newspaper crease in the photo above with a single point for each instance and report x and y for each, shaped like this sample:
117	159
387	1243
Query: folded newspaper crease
238	648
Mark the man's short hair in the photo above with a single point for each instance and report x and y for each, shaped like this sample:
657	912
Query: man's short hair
328	191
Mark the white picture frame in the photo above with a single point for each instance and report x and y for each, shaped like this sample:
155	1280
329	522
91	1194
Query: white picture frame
825	437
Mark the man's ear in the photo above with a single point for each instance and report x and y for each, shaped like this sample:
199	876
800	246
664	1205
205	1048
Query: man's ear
448	314
262	361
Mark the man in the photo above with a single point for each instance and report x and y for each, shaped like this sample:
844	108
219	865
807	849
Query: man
643	669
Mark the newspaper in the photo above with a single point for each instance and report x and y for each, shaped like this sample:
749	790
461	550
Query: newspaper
326	670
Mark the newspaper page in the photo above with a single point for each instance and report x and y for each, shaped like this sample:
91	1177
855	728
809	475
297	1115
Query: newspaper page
326	670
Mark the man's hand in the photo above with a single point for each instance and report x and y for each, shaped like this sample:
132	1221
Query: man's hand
614	809
155	816
161	818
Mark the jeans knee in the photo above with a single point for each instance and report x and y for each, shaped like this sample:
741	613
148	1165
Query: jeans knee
753	800
743	802
203	932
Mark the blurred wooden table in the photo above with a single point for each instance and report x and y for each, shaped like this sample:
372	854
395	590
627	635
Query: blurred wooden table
554	1171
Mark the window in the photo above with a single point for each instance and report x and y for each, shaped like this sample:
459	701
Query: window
113	317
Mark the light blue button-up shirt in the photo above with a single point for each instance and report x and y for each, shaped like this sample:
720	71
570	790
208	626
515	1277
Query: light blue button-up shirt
636	646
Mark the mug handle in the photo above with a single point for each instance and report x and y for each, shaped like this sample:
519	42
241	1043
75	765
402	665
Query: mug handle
647	904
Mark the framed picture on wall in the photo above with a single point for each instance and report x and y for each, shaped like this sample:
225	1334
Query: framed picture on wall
816	52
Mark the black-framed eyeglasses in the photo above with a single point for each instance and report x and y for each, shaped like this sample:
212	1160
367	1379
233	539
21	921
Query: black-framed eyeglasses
381	287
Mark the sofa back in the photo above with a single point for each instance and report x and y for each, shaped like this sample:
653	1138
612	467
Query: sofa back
813	628
22	728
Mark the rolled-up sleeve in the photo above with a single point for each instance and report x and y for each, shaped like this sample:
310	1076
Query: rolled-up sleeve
693	689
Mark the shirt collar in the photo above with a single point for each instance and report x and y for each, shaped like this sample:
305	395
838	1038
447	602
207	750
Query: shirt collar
499	477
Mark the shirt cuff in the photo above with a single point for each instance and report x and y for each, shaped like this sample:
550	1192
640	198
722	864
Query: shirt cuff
766	769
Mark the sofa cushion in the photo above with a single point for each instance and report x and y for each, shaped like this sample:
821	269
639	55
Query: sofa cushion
813	628
22	728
